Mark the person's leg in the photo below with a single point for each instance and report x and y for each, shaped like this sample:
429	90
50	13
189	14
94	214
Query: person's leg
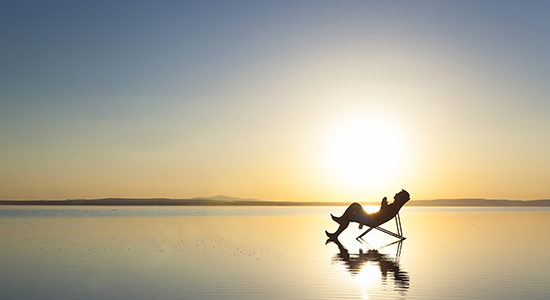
344	220
352	209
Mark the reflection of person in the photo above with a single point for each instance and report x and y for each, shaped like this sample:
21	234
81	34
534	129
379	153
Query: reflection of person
356	262
356	213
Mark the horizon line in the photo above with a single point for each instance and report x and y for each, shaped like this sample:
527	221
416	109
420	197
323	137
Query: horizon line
205	201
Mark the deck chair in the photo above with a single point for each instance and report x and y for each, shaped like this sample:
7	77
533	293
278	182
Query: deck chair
398	235
391	211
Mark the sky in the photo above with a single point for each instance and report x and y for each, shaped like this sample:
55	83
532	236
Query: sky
279	100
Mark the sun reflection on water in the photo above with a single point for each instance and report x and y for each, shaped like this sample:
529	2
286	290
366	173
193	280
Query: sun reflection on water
371	267
368	275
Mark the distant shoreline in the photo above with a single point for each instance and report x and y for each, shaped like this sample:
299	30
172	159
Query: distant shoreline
208	202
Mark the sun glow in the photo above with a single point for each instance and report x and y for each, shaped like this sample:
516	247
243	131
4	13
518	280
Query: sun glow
363	152
370	273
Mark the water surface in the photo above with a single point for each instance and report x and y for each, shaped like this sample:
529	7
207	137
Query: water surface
270	253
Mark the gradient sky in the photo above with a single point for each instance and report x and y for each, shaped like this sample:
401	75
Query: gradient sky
245	98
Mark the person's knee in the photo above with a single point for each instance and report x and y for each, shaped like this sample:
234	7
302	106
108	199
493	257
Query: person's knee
356	205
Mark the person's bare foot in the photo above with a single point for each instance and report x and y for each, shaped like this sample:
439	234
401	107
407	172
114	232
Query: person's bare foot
335	219
331	236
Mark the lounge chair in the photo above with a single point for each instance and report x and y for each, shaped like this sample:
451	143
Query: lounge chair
398	235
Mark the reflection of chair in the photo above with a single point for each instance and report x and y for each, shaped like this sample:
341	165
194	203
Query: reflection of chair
388	265
399	247
398	235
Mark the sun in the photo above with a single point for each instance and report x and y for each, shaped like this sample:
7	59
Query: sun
363	151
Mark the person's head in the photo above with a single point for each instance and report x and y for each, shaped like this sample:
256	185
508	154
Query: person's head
402	197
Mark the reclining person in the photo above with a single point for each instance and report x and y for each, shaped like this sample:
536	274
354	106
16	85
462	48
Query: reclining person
356	213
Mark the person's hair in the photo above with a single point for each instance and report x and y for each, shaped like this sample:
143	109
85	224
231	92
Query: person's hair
405	193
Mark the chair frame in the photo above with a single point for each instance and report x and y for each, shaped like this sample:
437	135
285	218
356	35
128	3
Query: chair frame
398	235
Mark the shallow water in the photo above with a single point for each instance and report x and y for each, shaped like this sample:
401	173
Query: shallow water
270	253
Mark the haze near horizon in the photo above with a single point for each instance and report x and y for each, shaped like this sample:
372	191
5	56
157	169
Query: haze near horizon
284	101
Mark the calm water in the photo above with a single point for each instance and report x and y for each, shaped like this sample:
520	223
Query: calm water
270	253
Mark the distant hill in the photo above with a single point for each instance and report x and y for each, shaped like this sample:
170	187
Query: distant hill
224	198
221	200
478	202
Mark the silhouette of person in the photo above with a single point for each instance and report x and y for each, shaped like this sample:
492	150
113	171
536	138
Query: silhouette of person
356	213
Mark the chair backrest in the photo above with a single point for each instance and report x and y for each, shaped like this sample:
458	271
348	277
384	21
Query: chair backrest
388	212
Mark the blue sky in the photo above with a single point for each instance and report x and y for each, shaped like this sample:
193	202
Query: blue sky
181	99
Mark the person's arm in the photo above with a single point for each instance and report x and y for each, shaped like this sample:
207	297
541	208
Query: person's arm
384	203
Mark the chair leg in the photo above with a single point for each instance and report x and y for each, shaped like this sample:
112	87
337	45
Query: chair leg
367	231
398	224
398	235
391	233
